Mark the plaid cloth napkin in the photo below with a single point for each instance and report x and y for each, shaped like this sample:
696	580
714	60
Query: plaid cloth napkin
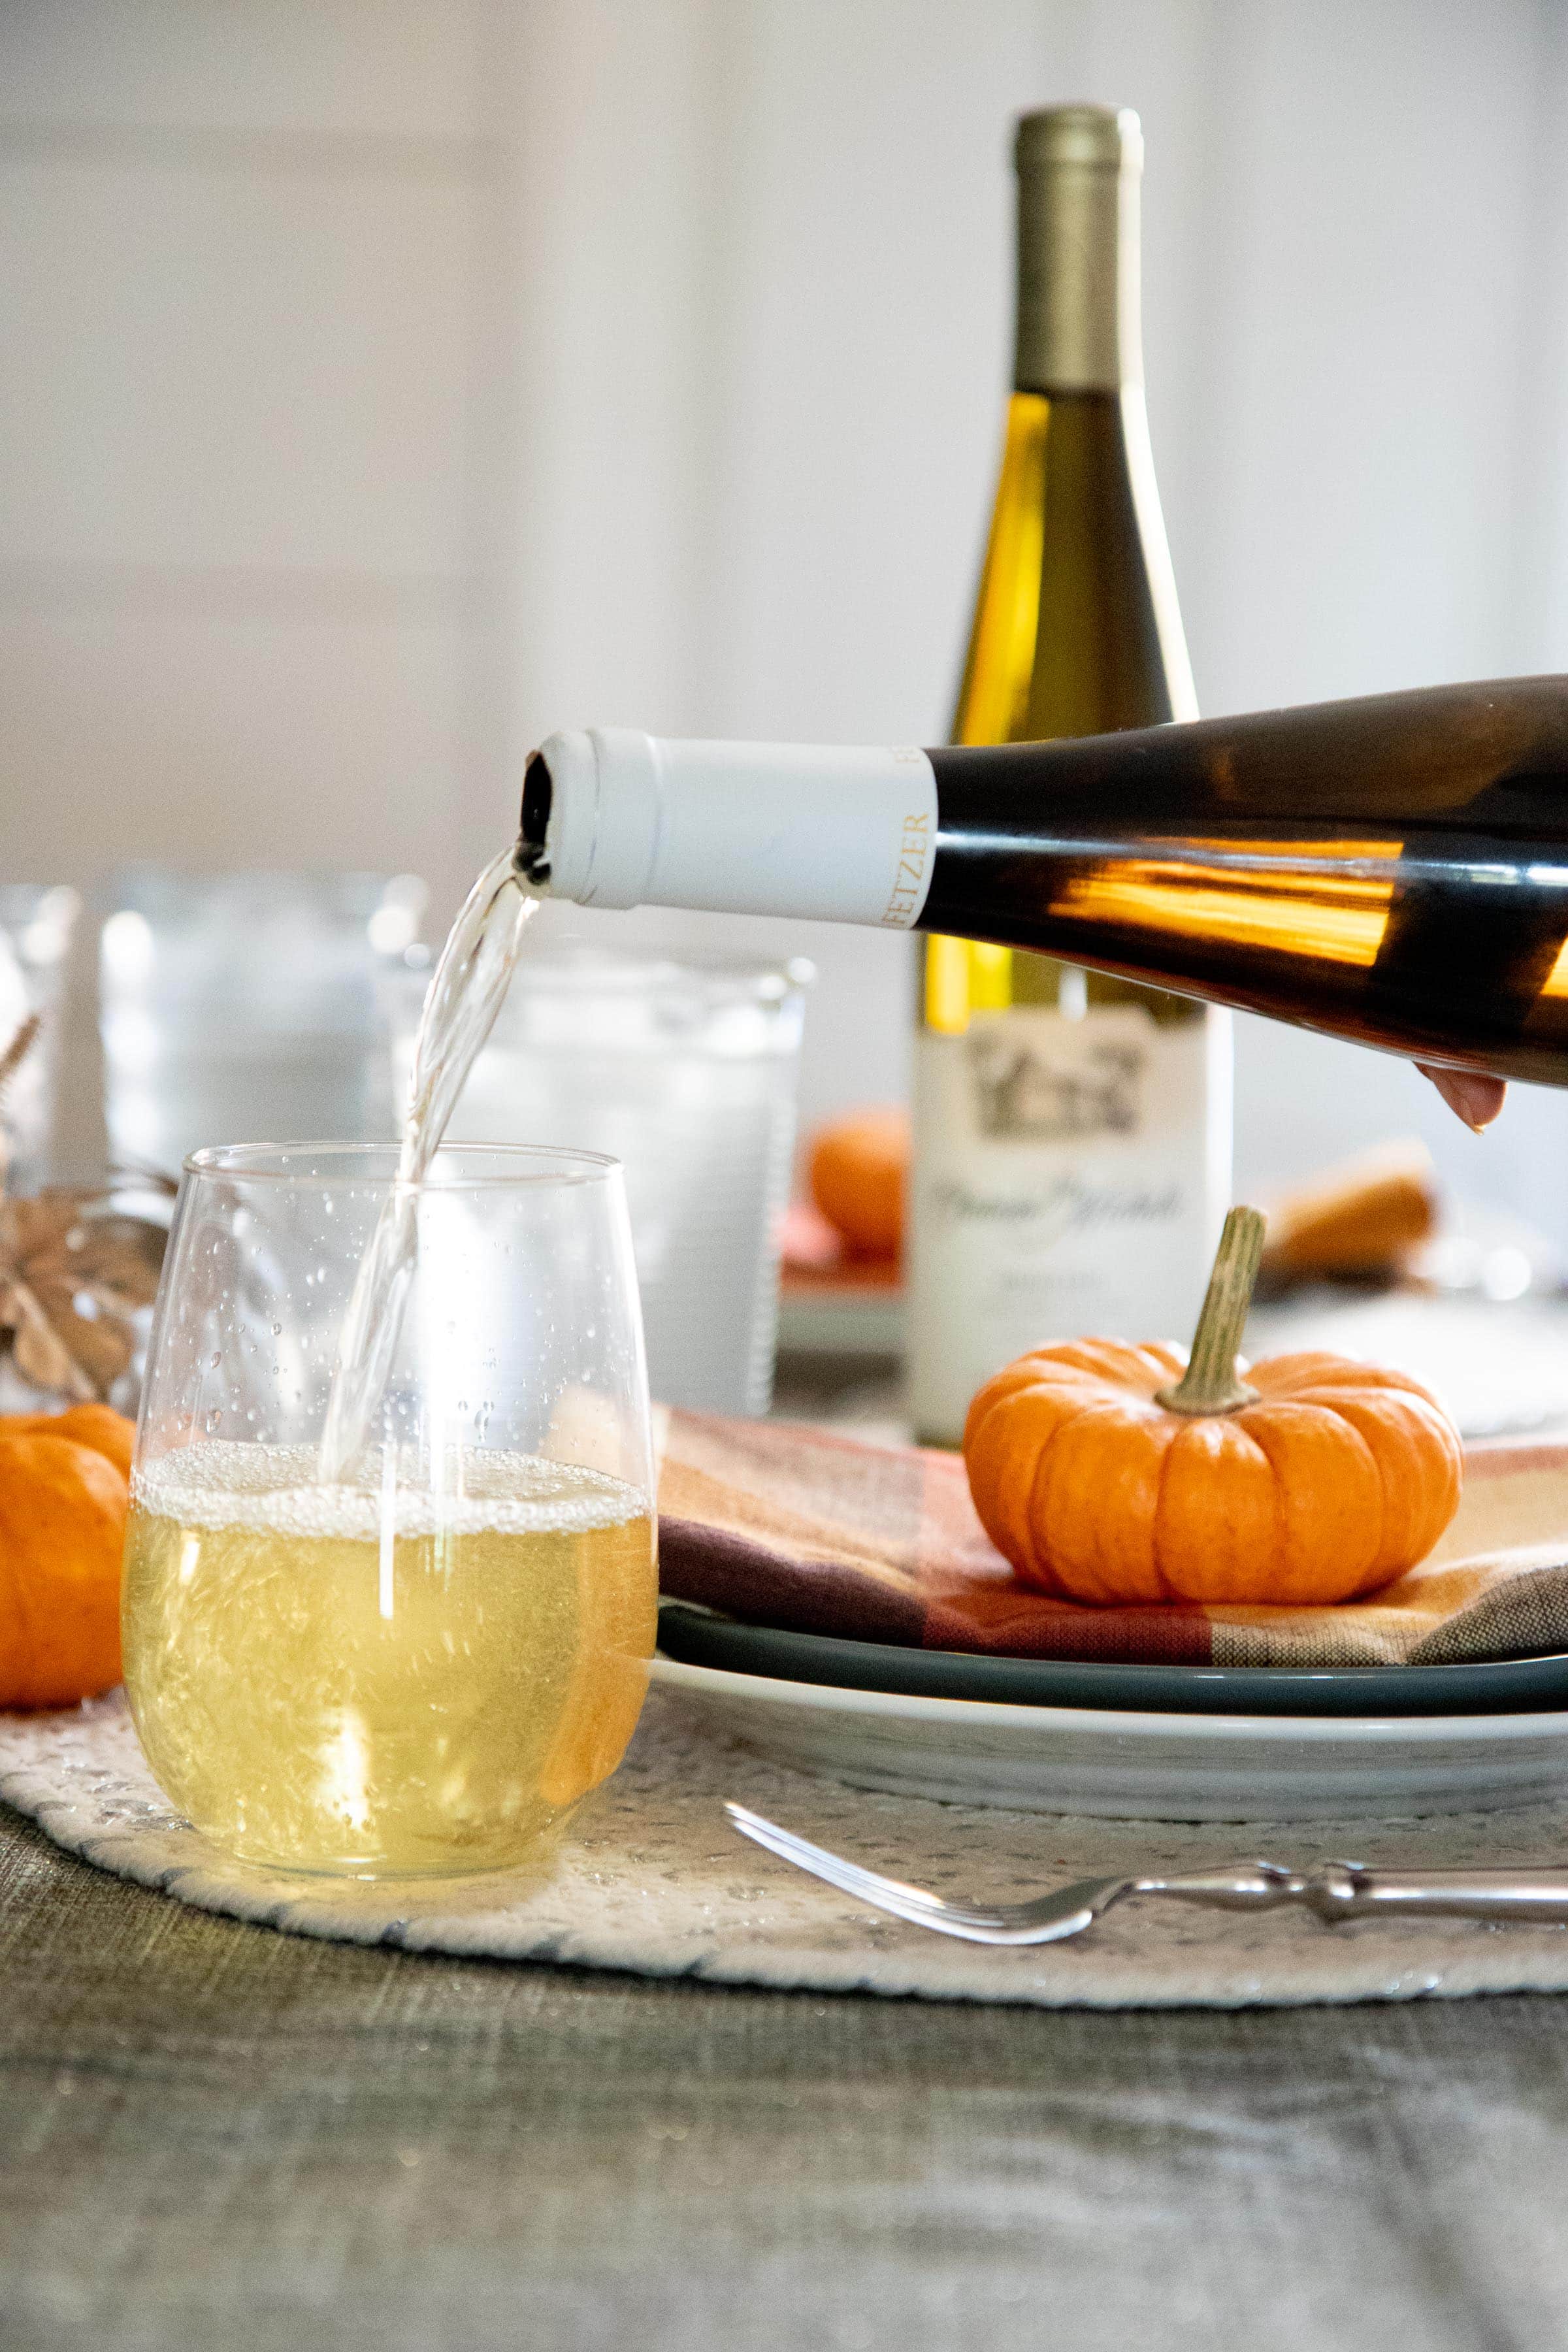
821	1534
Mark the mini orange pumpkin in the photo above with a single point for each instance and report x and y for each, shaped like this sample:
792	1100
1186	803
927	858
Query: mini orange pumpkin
859	1165
62	1529
1105	1473
108	1433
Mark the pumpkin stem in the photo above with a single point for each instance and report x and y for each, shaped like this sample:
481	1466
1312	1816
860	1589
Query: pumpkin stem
1209	1384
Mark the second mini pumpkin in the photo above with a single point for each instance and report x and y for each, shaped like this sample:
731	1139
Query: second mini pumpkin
1315	1481
63	1503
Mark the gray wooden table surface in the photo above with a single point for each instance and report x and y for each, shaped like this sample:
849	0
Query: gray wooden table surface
212	2135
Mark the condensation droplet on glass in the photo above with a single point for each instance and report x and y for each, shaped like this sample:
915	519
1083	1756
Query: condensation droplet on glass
215	1359
278	1330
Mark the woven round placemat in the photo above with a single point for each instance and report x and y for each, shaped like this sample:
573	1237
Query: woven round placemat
650	1878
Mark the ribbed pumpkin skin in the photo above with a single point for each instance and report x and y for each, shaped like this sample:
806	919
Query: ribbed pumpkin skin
98	1426
1337	1480
62	1529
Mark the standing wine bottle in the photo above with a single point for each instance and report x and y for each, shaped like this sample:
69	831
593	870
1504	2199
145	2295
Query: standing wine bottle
1071	1132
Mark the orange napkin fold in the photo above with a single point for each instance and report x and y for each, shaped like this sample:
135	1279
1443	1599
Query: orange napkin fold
818	1533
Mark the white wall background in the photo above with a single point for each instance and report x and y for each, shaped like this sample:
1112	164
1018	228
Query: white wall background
383	381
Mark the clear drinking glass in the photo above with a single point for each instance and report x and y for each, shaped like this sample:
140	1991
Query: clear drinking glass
687	1072
244	1004
421	1671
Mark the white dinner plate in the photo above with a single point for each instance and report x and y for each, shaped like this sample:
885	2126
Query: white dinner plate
1178	1768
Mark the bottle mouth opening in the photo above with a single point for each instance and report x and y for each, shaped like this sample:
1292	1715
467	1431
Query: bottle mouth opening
538	798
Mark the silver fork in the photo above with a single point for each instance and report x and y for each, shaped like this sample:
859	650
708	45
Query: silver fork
1330	1890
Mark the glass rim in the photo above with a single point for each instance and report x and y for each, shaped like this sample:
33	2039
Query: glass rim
247	1164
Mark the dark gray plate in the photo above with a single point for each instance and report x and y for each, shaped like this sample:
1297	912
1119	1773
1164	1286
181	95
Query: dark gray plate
1505	1686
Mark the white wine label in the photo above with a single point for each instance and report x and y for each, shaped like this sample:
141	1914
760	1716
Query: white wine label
1070	1178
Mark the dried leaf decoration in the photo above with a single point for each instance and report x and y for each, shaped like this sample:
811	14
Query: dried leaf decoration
73	1272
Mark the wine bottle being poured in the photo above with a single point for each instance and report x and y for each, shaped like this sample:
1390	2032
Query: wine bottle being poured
1392	870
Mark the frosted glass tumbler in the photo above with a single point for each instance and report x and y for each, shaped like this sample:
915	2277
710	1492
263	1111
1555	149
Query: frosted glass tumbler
236	1005
685	1074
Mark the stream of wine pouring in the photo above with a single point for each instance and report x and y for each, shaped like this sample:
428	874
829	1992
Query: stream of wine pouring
467	992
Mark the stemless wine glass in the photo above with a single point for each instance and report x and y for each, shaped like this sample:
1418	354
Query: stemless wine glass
420	1670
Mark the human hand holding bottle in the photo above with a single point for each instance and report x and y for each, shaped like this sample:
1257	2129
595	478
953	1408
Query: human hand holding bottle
1477	1099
